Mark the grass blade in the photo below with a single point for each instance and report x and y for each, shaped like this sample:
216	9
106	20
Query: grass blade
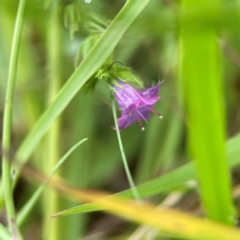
30	203
96	57
202	77
173	180
173	222
4	234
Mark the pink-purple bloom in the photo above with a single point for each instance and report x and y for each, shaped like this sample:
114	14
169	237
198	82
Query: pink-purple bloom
135	104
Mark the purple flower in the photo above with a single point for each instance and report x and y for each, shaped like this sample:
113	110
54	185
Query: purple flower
135	104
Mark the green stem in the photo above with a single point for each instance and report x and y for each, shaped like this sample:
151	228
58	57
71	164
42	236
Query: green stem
7	121
129	176
51	201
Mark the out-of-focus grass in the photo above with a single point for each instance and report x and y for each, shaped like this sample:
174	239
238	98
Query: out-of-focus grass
178	224
90	64
6	187
26	209
151	47
51	200
202	86
178	179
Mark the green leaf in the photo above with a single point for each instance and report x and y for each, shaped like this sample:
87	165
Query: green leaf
203	90
112	72
85	48
95	23
72	17
126	75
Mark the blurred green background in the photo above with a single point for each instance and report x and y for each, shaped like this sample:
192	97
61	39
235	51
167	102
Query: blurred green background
56	37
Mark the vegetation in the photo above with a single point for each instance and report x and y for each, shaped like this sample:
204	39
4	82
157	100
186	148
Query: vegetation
59	65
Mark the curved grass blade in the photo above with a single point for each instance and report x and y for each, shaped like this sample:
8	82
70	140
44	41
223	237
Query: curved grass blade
174	222
173	180
30	203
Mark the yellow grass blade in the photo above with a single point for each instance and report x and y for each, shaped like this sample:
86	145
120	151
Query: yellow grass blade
166	220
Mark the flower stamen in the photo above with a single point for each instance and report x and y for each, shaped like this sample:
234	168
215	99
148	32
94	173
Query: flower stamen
152	110
139	121
142	116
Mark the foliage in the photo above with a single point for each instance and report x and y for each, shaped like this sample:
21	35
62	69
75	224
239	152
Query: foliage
57	61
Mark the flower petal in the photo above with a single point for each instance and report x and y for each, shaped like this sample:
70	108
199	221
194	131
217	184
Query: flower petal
143	113
151	92
126	119
134	104
148	101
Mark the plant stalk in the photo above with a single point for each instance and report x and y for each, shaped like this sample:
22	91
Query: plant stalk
128	173
7	123
51	229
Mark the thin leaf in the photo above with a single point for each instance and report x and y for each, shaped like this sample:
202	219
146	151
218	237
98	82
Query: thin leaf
30	203
172	180
4	233
96	57
203	90
170	221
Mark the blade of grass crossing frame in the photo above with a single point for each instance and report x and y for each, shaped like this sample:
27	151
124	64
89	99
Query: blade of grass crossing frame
172	180
96	57
202	76
171	221
30	203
